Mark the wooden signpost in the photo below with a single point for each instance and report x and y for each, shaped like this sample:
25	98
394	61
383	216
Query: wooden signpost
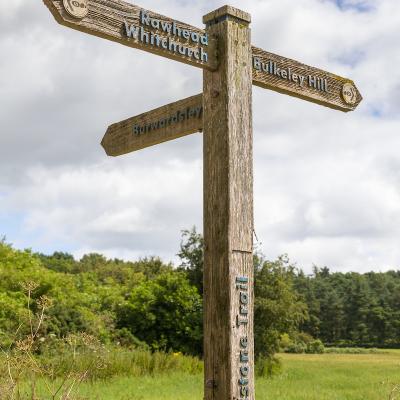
224	112
154	127
307	83
136	27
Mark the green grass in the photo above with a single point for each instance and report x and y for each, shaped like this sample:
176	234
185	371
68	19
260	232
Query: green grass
304	377
333	377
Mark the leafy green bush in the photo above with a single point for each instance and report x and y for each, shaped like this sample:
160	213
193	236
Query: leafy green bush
297	348
35	356
285	342
166	313
315	347
301	343
86	294
277	307
268	367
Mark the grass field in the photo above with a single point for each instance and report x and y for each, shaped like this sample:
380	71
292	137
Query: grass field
304	377
334	377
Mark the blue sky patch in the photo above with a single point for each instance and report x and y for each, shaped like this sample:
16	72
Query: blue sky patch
12	227
350	58
356	5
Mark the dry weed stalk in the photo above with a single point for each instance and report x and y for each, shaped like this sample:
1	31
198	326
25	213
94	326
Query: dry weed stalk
24	370
395	392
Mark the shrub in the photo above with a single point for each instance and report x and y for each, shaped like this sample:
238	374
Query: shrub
268	367
297	348
315	347
166	313
285	342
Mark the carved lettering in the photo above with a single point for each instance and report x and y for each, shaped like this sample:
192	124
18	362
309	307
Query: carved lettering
147	20
171	29
243	310
144	18
244	392
131	31
244	356
272	68
244	342
244	298
179	116
242	285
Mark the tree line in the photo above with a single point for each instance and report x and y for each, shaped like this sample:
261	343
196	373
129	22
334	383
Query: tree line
158	306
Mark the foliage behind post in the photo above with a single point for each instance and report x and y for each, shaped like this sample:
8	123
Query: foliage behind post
192	257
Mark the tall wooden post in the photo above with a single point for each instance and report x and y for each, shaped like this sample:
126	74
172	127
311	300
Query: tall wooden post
228	211
228	153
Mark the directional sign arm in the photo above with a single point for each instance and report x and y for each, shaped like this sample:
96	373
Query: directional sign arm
133	26
295	79
154	127
126	24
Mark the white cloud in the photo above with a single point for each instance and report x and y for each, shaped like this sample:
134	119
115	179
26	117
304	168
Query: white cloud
111	206
326	183
9	9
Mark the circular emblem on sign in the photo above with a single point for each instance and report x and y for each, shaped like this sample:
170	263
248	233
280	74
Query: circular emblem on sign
76	8
349	93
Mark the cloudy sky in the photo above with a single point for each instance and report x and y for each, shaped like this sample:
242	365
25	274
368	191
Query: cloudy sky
327	184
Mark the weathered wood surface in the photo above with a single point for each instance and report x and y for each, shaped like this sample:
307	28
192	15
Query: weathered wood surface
166	123
293	78
107	18
228	212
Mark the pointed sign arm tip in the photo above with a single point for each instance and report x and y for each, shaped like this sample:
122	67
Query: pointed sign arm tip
169	122
118	20
133	26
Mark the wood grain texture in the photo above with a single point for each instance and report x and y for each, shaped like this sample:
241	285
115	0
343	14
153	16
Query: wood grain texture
331	98
106	19
147	129
224	11
228	211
